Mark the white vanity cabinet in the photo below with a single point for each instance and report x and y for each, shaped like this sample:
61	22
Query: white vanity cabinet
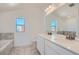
53	49
40	45
48	47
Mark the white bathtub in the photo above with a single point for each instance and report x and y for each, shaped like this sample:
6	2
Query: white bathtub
6	47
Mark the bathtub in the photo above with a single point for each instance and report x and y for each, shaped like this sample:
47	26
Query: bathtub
6	47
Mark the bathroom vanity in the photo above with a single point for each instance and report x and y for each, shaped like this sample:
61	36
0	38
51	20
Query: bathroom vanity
58	46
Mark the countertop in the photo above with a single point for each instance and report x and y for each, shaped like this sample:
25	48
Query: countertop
72	45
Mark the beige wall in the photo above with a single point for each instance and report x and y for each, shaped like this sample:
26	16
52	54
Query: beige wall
33	24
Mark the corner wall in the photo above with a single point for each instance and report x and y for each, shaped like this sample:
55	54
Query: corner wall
33	24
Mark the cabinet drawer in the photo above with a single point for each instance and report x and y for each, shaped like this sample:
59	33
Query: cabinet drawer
57	49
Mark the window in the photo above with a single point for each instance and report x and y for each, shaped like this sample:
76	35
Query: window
20	24
53	25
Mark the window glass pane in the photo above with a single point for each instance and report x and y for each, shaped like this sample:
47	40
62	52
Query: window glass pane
20	21
20	24
20	28
53	23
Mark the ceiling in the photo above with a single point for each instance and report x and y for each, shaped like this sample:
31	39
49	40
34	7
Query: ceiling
67	12
14	6
63	12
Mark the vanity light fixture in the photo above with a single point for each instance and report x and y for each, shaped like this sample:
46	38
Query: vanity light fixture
53	7
50	9
12	4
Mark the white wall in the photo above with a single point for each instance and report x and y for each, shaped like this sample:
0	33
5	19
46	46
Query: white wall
33	24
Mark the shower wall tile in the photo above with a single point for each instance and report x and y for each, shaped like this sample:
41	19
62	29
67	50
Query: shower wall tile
6	36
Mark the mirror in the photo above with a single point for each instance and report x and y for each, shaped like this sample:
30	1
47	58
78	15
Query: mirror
63	19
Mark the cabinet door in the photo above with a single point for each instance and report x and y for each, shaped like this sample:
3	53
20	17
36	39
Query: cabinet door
57	49
40	45
48	49
62	51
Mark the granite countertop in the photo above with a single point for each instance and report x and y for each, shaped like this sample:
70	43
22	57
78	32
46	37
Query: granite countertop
72	45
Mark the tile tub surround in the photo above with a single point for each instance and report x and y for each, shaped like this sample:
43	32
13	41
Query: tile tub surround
71	45
6	47
6	36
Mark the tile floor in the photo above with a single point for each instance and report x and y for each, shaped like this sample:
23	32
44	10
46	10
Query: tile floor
26	50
